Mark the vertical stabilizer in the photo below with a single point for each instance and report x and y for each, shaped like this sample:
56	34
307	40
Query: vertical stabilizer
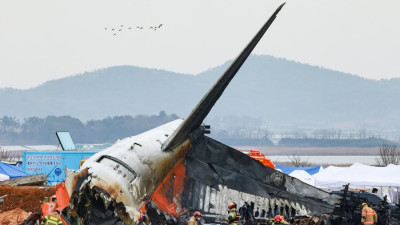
196	117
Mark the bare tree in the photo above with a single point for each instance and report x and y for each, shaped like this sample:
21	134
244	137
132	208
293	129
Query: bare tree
297	161
388	155
10	156
3	154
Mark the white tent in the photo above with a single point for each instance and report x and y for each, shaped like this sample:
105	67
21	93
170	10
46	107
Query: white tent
303	176
4	177
361	176
321	178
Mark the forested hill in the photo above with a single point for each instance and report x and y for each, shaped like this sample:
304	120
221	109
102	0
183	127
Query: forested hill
279	91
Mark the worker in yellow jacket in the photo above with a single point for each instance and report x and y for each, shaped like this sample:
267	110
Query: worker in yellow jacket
368	215
233	217
52	218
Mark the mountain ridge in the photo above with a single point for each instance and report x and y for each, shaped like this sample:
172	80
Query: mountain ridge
277	90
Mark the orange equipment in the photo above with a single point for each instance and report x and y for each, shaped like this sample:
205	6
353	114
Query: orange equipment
255	154
49	205
168	195
56	202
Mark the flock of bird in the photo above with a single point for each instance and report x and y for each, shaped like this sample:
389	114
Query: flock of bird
116	30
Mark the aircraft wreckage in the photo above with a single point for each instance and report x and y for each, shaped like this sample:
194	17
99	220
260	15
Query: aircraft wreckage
173	170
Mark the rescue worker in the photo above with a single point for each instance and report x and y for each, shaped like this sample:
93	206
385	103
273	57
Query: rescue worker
196	216
279	219
368	215
143	219
52	218
233	217
375	191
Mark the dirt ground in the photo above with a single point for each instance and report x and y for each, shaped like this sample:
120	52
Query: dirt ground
27	198
13	217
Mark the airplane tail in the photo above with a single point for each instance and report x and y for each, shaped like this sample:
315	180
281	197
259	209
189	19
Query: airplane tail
196	117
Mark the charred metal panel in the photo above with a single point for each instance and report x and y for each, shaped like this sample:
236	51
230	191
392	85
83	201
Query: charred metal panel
214	201
216	165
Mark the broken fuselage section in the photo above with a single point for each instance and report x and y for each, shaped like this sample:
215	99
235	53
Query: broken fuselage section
114	185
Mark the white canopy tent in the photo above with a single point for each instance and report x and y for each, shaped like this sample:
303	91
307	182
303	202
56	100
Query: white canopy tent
4	177
361	176
303	176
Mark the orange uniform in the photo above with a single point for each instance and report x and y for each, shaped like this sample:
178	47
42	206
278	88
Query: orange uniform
368	215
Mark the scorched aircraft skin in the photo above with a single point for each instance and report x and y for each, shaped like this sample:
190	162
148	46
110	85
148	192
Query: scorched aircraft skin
173	169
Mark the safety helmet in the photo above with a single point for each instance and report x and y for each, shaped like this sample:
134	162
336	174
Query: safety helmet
364	204
232	205
279	218
197	214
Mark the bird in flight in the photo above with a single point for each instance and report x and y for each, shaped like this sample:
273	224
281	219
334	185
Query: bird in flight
115	30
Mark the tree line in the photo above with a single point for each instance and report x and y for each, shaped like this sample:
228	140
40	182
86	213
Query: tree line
41	131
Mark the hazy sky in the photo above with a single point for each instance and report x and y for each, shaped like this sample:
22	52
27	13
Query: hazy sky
48	39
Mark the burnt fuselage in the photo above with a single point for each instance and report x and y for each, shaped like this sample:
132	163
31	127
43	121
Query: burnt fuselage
119	179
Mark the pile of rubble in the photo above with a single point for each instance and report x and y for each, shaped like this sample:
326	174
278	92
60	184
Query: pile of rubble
13	217
18	202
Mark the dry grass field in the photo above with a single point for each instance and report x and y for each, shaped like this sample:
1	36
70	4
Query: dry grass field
313	151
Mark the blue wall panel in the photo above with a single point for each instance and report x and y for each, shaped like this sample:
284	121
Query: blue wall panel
53	163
